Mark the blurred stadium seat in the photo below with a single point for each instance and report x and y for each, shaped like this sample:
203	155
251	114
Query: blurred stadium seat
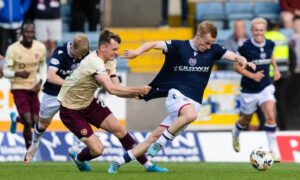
209	11
65	11
239	10
224	34
267	10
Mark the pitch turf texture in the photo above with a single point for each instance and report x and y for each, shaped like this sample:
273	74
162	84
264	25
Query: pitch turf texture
183	171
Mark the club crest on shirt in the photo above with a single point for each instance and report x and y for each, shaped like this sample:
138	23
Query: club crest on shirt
83	132
36	56
192	61
263	55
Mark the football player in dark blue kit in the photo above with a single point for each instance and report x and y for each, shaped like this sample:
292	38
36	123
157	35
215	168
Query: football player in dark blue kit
64	61
257	87
182	80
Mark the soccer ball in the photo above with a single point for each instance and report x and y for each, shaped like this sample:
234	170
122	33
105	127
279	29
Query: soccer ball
261	159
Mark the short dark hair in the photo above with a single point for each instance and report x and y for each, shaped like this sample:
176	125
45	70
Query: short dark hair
106	36
27	22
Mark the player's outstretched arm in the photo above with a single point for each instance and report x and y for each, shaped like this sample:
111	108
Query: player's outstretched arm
52	77
231	56
121	91
130	54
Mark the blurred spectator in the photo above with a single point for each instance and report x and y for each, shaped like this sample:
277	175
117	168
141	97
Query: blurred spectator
281	55
82	9
184	13
289	8
237	39
29	15
1	66
48	21
12	14
294	56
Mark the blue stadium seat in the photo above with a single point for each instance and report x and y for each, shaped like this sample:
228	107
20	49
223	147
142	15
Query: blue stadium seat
224	35
267	10
65	11
209	11
122	64
219	24
239	10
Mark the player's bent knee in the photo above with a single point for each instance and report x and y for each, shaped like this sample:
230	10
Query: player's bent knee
191	117
28	124
120	132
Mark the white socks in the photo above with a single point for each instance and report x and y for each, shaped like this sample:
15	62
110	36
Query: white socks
271	135
163	139
237	129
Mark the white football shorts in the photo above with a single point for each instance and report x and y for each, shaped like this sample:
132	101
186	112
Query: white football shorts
48	29
174	103
249	101
49	106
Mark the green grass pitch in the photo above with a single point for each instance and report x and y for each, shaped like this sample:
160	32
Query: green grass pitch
183	171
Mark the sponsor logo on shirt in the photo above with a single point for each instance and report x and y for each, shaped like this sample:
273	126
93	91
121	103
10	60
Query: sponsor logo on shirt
192	61
192	69
261	61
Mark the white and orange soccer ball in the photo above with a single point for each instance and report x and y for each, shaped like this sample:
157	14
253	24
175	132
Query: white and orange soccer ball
261	159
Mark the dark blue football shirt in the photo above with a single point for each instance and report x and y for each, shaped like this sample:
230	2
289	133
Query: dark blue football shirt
65	65
261	56
185	69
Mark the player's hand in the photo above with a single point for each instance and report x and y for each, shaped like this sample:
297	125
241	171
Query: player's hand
22	74
37	87
277	75
258	76
1	57
244	63
144	90
130	54
251	65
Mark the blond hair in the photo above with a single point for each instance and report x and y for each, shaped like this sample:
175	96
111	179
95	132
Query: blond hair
207	27
81	43
259	21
